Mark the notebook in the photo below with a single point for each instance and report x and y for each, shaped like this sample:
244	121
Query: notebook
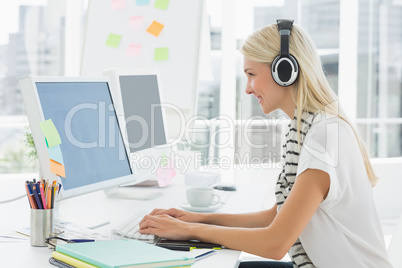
70	261
125	253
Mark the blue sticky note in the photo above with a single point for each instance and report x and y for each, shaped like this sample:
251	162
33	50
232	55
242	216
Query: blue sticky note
142	2
55	154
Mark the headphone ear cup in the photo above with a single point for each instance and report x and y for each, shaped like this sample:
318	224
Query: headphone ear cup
285	70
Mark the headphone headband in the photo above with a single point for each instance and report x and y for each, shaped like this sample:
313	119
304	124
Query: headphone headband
284	28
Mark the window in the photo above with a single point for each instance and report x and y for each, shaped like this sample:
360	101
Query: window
32	42
36	36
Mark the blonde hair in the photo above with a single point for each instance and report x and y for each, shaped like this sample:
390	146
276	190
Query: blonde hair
311	91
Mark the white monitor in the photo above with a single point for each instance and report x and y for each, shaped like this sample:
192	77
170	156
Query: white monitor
92	146
139	105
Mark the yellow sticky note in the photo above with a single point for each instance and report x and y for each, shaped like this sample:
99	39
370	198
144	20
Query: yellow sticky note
161	53
155	28
161	4
57	168
113	40
50	132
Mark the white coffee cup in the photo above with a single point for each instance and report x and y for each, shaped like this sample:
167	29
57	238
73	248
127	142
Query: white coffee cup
202	197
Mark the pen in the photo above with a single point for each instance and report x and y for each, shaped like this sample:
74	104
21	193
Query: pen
59	188
38	202
37	185
42	193
82	240
52	197
34	205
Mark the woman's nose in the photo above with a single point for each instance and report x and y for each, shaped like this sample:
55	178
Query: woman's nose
249	90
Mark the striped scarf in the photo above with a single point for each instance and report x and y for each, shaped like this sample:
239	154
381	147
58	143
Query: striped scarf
288	176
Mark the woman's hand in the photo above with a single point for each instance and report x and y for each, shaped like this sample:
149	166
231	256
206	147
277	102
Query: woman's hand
166	226
182	215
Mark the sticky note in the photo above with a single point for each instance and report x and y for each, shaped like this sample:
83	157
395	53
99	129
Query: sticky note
161	53
117	4
133	49
57	168
155	28
142	2
165	173
50	132
136	21
161	4
113	40
55	154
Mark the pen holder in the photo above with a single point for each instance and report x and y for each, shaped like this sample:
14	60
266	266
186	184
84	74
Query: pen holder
41	226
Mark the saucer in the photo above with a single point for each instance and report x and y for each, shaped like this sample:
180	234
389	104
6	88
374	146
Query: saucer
187	206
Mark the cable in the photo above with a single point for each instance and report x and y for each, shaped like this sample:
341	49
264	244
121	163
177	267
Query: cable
12	199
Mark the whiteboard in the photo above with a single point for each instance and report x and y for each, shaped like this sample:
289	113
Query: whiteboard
129	20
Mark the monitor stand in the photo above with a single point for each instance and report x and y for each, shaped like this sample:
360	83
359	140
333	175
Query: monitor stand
132	192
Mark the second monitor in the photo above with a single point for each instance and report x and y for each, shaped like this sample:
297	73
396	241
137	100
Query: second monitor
138	103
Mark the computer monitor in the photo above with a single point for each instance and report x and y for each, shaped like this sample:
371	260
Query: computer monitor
92	146
138	101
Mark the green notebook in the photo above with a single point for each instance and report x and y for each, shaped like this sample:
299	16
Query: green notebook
124	253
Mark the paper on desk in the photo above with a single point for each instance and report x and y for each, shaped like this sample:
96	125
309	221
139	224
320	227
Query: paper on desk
13	237
74	231
70	231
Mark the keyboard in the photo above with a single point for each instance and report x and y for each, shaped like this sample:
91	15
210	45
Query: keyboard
130	229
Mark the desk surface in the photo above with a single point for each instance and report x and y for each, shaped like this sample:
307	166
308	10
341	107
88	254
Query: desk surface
91	209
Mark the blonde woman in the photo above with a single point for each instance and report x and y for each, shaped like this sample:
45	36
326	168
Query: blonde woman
324	214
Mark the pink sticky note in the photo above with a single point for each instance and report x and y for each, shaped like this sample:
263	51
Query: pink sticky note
133	49
136	21
117	4
165	174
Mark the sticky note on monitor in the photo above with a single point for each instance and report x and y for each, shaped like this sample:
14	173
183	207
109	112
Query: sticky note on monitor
57	168
161	54
161	4
155	28
113	40
55	154
51	134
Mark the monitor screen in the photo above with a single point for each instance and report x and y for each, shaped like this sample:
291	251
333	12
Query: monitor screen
91	144
142	111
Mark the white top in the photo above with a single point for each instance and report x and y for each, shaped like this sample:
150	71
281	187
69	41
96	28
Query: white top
345	230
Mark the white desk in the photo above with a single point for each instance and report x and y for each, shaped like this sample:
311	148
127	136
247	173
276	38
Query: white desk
253	188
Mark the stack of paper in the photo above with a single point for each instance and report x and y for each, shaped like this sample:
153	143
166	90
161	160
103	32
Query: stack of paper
119	253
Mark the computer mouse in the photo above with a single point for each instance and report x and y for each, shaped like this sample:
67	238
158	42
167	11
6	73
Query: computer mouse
225	187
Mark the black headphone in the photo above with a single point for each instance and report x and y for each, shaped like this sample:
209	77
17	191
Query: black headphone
284	69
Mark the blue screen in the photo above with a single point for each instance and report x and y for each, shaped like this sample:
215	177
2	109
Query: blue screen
91	142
